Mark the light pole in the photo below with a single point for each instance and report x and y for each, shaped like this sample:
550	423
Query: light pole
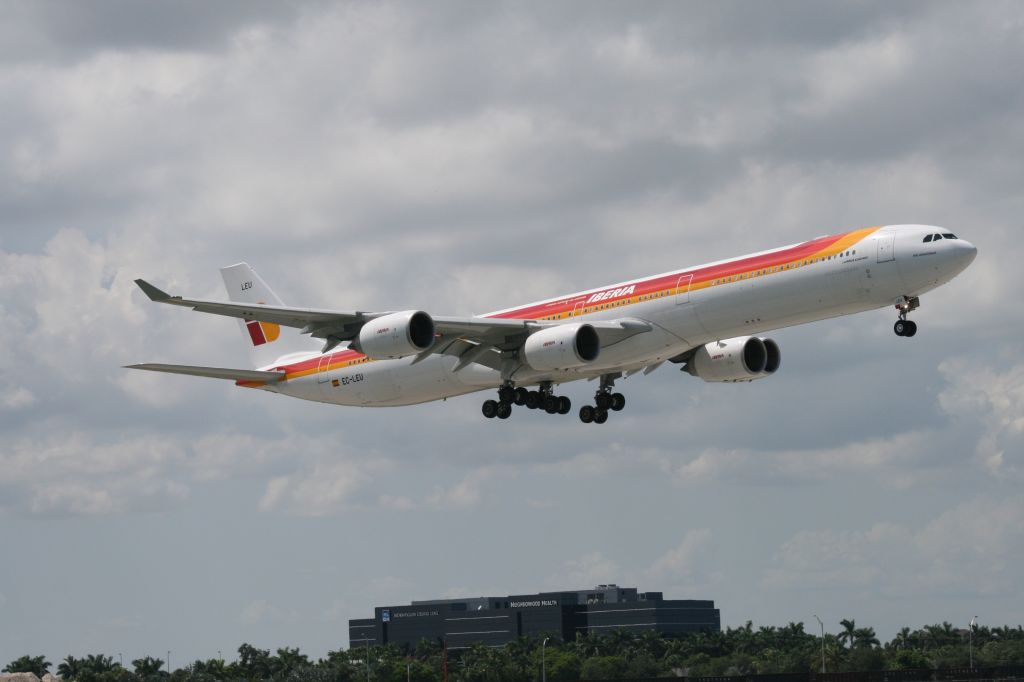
168	661
120	659
544	660
974	622
822	642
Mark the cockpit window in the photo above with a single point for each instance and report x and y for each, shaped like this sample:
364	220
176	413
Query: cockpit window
928	237
949	235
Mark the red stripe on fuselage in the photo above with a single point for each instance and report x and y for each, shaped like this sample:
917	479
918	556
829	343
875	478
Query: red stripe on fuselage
671	281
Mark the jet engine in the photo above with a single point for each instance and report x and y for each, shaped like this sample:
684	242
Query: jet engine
562	347
744	358
396	335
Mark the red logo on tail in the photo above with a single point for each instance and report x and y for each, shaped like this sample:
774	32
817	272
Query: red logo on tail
262	332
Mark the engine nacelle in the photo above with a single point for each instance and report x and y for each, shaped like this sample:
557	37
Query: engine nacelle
744	358
397	335
563	347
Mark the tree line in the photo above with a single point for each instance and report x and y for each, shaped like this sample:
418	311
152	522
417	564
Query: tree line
744	650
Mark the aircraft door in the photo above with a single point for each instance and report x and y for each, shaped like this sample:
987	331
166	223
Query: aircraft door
886	247
323	368
577	309
683	289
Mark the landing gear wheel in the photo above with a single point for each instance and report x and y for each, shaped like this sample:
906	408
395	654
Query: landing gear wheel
900	328
587	414
521	394
603	400
911	329
564	405
550	404
504	410
490	409
506	394
618	401
600	415
532	400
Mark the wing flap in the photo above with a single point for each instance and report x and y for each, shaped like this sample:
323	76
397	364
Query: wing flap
212	372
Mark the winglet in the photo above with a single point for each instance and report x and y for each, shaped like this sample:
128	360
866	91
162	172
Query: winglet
151	291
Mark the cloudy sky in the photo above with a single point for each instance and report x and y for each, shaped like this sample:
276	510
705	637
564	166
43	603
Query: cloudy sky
464	157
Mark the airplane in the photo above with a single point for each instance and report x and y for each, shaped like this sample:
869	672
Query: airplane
707	318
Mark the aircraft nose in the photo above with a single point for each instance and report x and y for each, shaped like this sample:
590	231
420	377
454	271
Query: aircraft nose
965	252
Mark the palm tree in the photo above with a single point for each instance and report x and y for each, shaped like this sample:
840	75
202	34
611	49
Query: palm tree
289	660
38	665
652	643
847	635
97	664
146	666
901	640
70	668
865	638
214	667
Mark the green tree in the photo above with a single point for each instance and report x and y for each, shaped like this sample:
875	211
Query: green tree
864	638
147	666
1006	652
252	663
907	659
562	665
603	668
846	637
70	668
38	665
289	660
214	668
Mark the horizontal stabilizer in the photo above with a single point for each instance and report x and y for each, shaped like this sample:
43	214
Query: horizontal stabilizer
212	372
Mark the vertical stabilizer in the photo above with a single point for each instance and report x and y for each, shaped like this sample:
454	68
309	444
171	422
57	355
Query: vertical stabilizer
268	341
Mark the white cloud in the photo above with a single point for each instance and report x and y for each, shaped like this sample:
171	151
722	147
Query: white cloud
74	474
261	611
16	397
588	570
973	548
328	487
898	461
468	492
995	399
680	562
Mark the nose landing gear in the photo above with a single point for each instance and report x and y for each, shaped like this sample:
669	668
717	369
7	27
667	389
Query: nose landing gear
903	326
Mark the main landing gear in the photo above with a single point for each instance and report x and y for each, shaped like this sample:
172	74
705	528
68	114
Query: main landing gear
604	400
541	399
903	326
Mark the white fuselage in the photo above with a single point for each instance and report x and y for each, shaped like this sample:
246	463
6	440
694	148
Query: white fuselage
832	276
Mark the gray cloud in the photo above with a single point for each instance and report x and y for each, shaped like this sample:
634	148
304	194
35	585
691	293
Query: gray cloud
461	158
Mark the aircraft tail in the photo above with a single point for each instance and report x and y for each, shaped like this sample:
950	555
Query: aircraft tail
267	340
